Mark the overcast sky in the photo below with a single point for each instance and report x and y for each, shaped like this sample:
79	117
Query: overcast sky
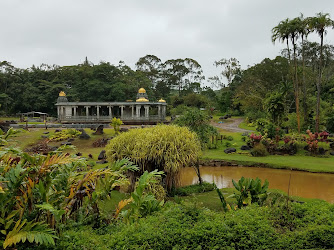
64	32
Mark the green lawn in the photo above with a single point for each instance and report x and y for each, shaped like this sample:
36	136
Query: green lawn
25	139
245	125
298	162
211	200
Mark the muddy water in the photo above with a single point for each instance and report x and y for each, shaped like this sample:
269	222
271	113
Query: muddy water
303	184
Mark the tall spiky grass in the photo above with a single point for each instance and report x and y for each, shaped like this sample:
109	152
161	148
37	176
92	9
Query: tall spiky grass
167	148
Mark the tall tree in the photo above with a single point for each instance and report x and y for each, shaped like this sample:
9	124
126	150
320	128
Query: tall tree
183	73
319	24
285	30
281	32
231	67
303	31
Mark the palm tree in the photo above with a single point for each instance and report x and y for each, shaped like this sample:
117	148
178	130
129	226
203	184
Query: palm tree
294	35
286	30
318	24
303	31
281	33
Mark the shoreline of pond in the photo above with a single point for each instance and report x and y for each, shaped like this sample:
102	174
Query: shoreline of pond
235	163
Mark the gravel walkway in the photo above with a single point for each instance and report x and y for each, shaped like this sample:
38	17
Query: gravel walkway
232	125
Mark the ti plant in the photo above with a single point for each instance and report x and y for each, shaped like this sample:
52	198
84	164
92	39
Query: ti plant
250	191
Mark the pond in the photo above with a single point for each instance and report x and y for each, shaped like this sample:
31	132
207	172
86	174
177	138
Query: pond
303	184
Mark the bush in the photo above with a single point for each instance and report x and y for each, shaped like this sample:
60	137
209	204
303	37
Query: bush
229	138
167	148
310	225
330	123
194	189
259	150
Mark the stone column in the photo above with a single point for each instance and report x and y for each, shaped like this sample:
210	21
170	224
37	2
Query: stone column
110	114
75	111
163	111
98	112
87	111
132	113
138	110
159	111
122	111
147	110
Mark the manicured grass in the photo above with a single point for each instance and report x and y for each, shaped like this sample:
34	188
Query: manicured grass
244	125
9	118
211	200
25	139
298	162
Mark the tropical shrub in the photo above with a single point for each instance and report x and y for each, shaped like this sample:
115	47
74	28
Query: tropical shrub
166	148
64	135
116	123
259	150
250	191
198	122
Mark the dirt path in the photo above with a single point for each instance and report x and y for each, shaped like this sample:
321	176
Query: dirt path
232	125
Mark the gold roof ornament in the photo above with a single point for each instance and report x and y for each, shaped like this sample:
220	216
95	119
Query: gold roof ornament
62	93
161	100
142	91
142	99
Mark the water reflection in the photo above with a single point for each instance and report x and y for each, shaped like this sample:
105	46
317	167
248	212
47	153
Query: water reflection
303	184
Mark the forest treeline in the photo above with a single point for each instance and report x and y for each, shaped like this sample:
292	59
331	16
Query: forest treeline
295	89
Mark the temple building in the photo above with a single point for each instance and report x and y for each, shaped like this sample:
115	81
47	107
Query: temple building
142	111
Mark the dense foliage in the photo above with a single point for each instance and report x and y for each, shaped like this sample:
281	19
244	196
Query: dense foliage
308	225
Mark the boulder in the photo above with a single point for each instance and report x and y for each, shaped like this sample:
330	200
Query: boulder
331	145
83	135
123	130
99	130
102	155
321	151
332	153
230	150
245	147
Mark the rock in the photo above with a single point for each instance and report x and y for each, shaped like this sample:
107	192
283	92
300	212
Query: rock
331	145
245	134
102	162
46	133
70	139
230	150
83	135
57	130
79	154
66	143
332	153
99	130
102	155
221	118
90	156
44	136
123	130
321	151
245	147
